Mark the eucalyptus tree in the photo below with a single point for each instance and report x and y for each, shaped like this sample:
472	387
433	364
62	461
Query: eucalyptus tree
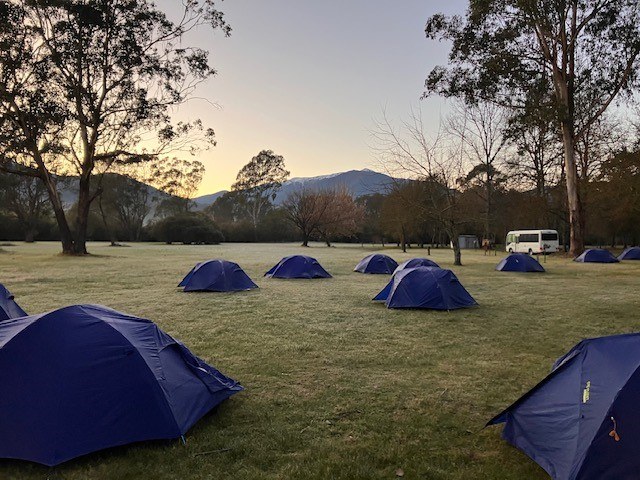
258	183
586	50
87	85
25	198
481	129
178	178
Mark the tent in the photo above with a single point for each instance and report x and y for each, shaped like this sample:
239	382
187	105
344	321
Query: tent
519	262
416	262
631	253
376	263
581	421
297	266
425	287
85	377
8	307
596	255
217	276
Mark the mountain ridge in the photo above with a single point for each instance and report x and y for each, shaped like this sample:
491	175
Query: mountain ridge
358	182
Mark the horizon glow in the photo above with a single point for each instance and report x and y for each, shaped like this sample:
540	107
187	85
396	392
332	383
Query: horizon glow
308	79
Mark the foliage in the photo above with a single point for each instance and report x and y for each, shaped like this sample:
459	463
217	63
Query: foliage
616	200
258	182
25	198
327	214
580	56
437	167
180	179
187	228
86	86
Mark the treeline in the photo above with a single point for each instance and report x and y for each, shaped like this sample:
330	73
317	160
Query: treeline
410	213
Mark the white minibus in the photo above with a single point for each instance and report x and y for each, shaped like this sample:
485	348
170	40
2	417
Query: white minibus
532	241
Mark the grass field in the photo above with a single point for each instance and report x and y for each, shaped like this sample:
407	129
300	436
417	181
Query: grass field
336	386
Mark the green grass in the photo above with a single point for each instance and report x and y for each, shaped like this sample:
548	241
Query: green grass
336	386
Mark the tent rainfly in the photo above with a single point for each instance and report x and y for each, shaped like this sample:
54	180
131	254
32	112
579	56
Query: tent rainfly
596	255
217	276
8	306
581	421
297	266
425	287
631	253
416	262
85	377
519	262
376	263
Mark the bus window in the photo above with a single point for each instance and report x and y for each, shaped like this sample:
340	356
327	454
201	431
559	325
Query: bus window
550	236
529	237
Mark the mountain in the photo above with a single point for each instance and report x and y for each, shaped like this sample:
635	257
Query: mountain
358	182
206	200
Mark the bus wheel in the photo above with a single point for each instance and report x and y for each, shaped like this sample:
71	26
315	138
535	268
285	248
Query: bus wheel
511	250
530	252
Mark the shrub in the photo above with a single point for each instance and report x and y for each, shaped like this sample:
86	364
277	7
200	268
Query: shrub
187	228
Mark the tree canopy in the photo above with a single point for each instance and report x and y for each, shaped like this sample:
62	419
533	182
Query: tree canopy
87	85
575	56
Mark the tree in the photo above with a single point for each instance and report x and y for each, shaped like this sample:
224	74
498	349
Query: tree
586	52
617	197
301	207
338	214
26	199
480	127
537	161
125	204
328	213
372	223
439	169
188	228
398	217
258	183
180	179
85	86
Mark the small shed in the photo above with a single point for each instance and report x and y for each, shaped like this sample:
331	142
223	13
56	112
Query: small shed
467	242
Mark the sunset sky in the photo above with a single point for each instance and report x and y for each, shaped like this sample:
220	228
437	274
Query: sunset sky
307	79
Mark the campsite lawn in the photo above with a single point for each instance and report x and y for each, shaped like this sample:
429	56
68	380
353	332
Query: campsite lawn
336	386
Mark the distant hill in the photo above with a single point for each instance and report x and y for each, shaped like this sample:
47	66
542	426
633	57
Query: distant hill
358	182
68	189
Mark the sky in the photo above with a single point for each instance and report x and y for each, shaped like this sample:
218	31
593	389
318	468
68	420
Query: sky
307	79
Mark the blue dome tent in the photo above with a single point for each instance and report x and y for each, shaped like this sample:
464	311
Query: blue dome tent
596	255
8	307
217	276
425	287
376	263
85	377
297	266
631	253
519	262
581	421
416	262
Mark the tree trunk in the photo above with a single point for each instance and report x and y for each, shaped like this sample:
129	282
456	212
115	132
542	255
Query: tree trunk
576	214
82	216
455	243
489	193
112	236
56	204
305	240
29	234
